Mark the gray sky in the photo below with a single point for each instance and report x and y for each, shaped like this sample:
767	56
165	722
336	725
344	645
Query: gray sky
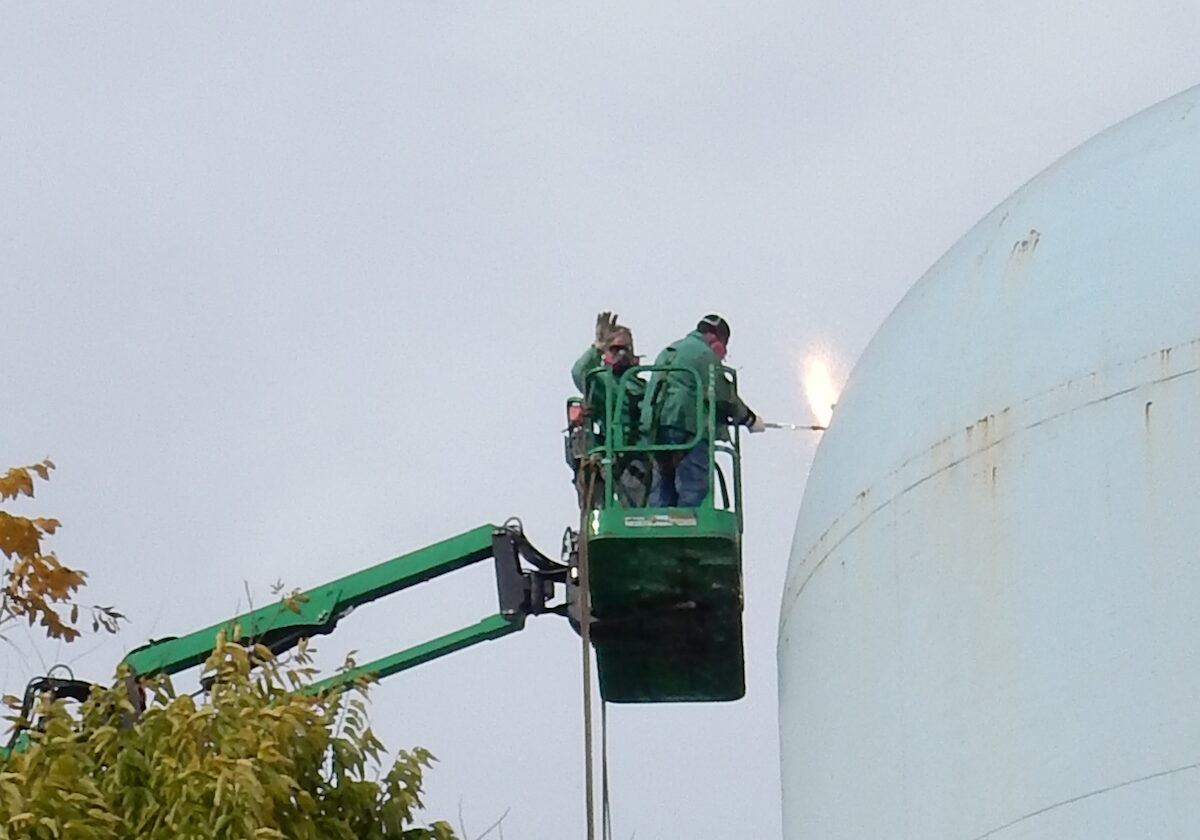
289	290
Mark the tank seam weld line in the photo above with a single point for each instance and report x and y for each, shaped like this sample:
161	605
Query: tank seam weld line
1083	796
1067	383
1033	425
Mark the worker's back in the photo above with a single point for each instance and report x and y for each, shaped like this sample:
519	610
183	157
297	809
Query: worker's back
672	399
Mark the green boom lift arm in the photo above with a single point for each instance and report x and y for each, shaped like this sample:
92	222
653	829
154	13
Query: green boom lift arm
525	582
521	592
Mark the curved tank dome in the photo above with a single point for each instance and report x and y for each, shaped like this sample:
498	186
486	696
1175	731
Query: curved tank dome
991	621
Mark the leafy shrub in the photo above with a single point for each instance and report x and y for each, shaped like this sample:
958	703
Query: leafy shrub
252	757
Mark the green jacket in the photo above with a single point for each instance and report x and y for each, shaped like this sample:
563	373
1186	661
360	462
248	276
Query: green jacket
595	402
672	394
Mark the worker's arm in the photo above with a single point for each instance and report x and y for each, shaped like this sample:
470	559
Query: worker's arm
730	407
588	361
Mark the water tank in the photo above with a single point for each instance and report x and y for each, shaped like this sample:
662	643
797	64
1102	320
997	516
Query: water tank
991	621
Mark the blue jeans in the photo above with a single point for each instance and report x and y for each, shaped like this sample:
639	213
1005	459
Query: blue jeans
680	478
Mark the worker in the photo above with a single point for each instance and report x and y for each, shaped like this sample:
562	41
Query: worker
612	349
680	478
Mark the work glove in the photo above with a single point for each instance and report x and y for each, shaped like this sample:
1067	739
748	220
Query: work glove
755	424
606	325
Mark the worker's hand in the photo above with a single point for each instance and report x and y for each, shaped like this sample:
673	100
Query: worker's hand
606	325
756	424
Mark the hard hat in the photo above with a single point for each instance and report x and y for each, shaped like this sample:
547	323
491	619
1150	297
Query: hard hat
716	324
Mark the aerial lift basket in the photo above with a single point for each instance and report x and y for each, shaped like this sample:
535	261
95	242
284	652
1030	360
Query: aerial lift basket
665	583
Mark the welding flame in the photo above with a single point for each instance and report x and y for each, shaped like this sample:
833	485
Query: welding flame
821	387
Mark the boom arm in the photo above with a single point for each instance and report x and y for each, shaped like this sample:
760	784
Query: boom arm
521	592
492	627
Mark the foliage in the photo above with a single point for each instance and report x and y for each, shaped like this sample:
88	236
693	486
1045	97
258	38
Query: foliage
255	757
36	586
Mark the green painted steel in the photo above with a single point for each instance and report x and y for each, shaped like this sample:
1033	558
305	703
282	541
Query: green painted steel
320	608
492	627
667	602
318	611
707	522
666	583
22	744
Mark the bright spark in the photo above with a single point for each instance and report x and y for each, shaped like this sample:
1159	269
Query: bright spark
821	388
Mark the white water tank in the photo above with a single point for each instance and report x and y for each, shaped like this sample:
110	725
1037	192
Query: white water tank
991	622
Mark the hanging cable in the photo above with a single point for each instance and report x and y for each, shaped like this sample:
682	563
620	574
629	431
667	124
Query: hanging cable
605	813
585	634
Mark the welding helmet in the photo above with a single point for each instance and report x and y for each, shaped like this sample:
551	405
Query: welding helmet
715	324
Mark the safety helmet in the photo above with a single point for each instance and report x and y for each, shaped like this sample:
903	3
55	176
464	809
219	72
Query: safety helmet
715	324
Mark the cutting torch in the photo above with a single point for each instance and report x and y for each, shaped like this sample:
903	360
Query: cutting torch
795	427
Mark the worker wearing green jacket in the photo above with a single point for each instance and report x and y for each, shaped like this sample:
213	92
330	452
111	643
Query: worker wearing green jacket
613	350
669	414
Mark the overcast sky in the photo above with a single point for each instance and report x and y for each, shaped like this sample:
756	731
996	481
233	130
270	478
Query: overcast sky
290	289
